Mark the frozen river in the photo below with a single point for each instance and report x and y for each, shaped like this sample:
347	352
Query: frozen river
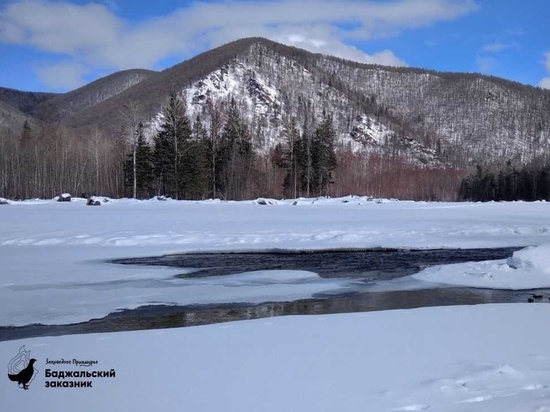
380	283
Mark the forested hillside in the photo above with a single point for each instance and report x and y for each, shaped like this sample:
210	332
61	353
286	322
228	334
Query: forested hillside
257	118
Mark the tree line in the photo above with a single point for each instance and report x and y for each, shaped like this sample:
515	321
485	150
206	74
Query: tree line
187	160
529	182
49	159
214	155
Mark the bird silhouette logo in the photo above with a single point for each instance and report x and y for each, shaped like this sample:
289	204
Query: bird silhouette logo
21	368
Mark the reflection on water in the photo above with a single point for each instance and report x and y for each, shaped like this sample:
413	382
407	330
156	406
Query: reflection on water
365	266
158	317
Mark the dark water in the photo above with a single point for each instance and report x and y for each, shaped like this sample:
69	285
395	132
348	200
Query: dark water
366	264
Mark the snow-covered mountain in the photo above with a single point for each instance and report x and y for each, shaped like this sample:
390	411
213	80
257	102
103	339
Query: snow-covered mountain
427	117
271	89
471	117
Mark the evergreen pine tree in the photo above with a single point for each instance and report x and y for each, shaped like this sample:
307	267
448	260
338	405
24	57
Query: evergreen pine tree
323	155
304	162
195	168
171	144
163	164
289	158
144	166
235	155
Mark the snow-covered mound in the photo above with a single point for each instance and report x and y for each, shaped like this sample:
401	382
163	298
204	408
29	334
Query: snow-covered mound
264	201
528	268
532	259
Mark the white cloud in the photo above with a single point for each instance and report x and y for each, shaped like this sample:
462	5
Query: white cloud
63	76
487	59
336	47
545	83
111	4
495	47
498	47
59	27
93	35
485	64
386	58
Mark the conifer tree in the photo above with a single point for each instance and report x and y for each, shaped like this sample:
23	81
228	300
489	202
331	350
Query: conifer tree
289	159
163	163
195	168
304	152
171	144
324	156
144	166
235	155
214	131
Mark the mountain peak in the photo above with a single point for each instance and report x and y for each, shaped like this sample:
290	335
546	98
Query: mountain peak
425	115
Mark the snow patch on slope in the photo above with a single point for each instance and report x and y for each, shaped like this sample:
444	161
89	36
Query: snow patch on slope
270	89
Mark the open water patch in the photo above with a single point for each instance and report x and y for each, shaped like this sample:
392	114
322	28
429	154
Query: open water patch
364	267
367	264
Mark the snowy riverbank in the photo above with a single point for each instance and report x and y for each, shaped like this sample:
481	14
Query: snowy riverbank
475	358
53	253
470	358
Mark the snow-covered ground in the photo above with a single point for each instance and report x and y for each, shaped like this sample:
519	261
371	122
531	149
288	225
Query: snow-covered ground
54	253
528	268
489	358
486	358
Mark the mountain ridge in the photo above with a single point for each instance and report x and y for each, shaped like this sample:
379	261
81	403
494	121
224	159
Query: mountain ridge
91	94
461	118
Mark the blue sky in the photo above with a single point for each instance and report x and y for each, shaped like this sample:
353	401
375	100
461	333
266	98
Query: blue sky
54	45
